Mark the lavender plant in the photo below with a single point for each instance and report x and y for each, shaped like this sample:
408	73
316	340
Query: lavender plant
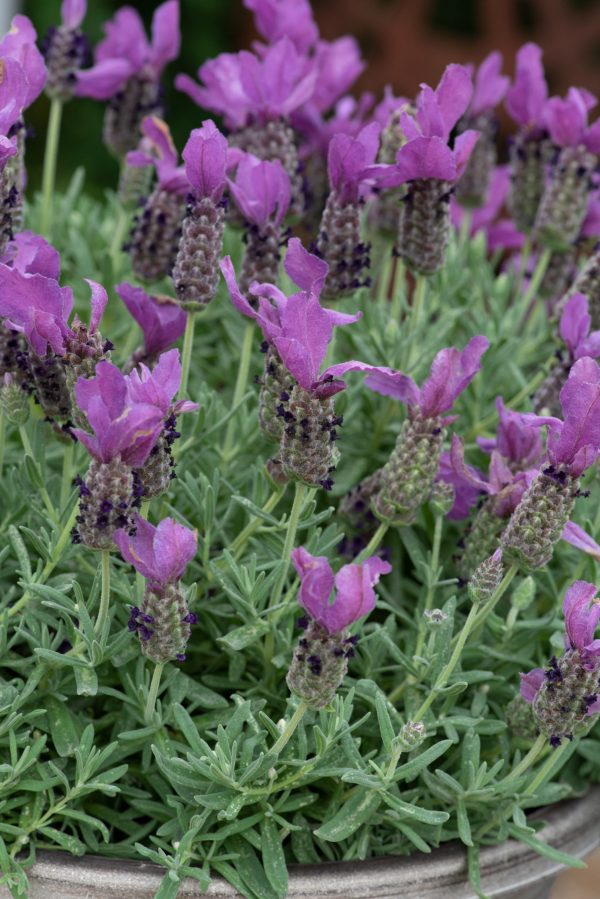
175	714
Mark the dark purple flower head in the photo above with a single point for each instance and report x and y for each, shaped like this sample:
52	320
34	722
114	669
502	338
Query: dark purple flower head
526	97
36	306
501	234
298	326
126	51
275	19
575	441
516	441
350	162
243	87
262	190
567	120
161	319
73	12
159	386
354	593
575	326
30	254
452	371
205	156
160	553
120	427
581	609
490	85
157	149
19	45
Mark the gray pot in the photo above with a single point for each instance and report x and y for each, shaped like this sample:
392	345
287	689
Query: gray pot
510	870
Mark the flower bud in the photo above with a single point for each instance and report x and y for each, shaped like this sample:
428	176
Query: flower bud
472	186
520	719
340	245
411	735
564	203
108	494
319	665
139	97
442	498
14	400
50	384
524	594
66	50
196	270
528	159
486	578
159	469
481	537
434	618
163	623
276	385
308	450
570	687
588	283
425	225
155	235
134	185
11	198
261	256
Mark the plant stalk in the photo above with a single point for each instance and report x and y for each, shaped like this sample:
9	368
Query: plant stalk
65	484
50	159
290	538
104	595
373	543
42	490
186	355
240	387
414	317
153	692
290	727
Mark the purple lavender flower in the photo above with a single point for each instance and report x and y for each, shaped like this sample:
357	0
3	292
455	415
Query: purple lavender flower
121	426
30	254
293	19
354	594
320	661
195	273
156	230
128	69
574	328
262	191
352	172
490	88
530	151
36	306
517	441
160	554
337	65
577	537
18	44
407	480
565	200
566	693
66	50
161	319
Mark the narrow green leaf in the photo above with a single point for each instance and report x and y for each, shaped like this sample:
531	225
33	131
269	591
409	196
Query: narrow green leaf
385	725
425	815
65	728
273	857
355	812
245	635
544	848
462	819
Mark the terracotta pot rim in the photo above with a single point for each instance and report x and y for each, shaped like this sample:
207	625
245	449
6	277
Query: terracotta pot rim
572	826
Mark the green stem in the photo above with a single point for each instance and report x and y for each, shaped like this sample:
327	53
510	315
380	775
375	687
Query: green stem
290	728
465	229
2	439
536	279
373	543
153	692
393	763
386	268
546	768
237	545
51	563
523	260
414	317
50	158
186	355
65	484
290	538
474	618
42	490
118	236
104	595
399	295
140	581
528	760
240	387
435	561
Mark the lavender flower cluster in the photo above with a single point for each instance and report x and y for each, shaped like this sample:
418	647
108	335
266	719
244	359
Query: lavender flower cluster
297	154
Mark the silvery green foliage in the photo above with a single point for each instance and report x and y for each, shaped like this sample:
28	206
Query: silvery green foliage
199	790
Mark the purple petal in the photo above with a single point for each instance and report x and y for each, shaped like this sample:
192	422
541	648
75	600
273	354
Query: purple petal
305	269
166	37
306	332
161	319
465	479
526	97
275	19
516	440
98	304
566	119
490	85
159	386
426	157
451	372
237	297
205	156
463	147
578	441
578	538
125	39
73	12
262	190
174	546
139	549
355	596
316	583
30	254
381	379
19	45
103	80
338	63
109	385
36	306
575	322
581	614
453	95
531	683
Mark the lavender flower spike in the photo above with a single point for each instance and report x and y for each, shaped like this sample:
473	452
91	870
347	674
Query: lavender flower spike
573	445
565	694
160	554
490	88
127	71
565	200
67	50
156	230
352	170
407	479
196	272
320	662
159	387
123	434
262	192
531	149
161	319
574	328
